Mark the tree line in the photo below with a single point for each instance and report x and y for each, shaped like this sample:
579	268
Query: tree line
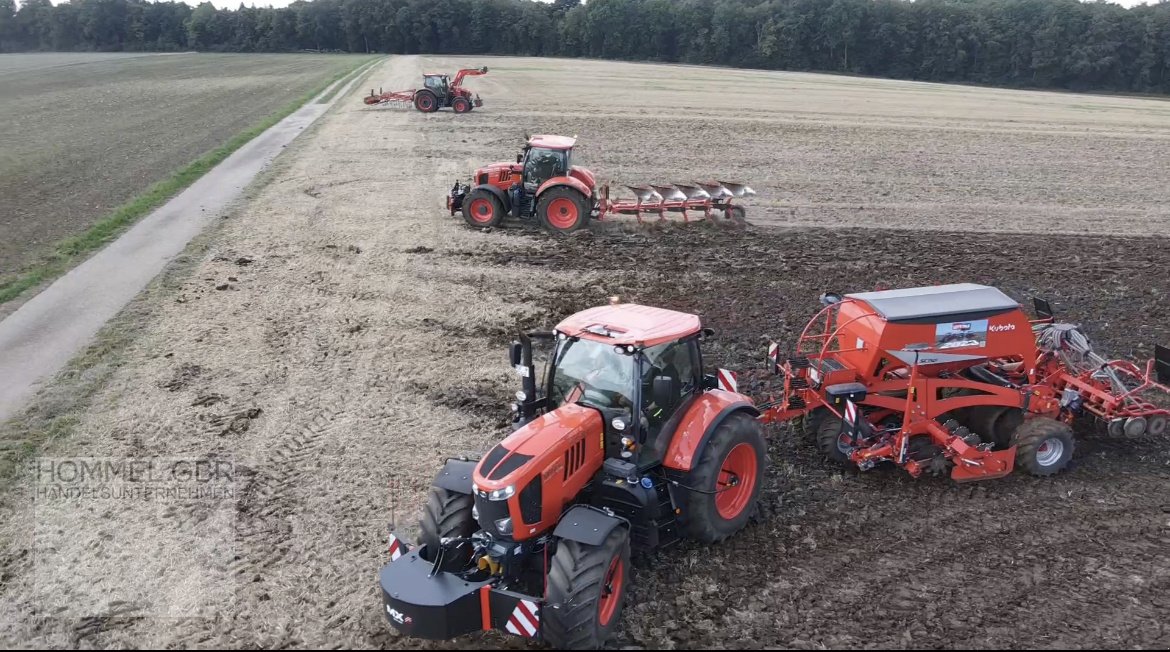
1035	43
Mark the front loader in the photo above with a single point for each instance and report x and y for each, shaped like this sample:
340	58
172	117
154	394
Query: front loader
624	447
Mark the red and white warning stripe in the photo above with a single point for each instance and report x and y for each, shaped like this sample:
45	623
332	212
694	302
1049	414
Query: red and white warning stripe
851	417
397	548
727	380
525	620
774	355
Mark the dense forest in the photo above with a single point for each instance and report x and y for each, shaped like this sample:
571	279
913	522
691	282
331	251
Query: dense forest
1037	43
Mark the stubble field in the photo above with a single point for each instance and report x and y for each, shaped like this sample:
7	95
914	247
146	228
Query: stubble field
83	133
342	336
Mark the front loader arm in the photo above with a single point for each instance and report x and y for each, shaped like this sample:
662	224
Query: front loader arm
468	72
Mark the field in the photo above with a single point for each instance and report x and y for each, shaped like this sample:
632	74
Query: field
341	336
84	133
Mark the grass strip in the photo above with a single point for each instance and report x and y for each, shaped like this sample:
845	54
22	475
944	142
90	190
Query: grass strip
70	251
342	84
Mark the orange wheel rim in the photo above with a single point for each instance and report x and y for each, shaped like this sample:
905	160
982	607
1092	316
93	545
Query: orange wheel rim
481	210
736	482
611	591
563	213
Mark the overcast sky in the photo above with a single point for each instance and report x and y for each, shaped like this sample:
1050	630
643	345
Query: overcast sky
232	4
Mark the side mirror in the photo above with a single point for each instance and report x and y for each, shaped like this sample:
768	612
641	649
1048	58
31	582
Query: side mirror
829	298
706	334
1162	363
665	390
515	353
519	157
1043	308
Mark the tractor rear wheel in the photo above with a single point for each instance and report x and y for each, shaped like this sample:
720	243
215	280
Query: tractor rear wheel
461	105
586	592
482	209
833	442
426	101
562	209
1043	446
722	490
447	514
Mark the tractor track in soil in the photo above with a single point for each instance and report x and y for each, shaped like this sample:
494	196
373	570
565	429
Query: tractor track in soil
344	336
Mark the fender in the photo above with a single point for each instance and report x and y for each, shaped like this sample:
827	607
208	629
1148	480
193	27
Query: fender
587	525
584	175
456	476
500	195
708	411
572	182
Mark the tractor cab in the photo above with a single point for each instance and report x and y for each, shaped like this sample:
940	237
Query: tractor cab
543	158
438	84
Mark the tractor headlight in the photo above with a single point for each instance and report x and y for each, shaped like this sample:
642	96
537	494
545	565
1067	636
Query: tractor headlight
619	424
504	526
502	494
521	396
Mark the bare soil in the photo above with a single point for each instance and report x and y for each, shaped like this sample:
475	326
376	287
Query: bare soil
344	336
84	133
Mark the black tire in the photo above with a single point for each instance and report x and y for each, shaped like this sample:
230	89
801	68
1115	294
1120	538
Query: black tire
426	102
461	105
447	514
577	580
995	424
1044	446
830	432
562	209
477	200
808	424
708	517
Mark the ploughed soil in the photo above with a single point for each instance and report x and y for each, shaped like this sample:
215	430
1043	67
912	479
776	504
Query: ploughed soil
342	336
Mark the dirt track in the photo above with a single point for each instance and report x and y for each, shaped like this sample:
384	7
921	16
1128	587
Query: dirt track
344	337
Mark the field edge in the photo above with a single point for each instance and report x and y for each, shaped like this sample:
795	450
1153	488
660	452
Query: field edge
73	250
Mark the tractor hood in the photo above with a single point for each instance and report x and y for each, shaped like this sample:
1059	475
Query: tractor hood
494	173
538	446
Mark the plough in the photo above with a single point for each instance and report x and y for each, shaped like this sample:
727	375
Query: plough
543	184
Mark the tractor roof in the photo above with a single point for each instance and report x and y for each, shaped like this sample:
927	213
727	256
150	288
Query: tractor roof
552	142
628	323
966	300
434	74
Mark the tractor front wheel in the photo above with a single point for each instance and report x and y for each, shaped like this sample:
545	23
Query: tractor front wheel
834	442
721	492
1043	446
426	102
482	209
586	592
447	514
461	105
562	210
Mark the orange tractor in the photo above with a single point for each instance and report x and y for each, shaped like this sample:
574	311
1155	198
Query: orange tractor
543	184
625	447
438	91
958	379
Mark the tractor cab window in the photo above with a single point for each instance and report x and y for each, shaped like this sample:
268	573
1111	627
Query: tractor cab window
436	83
593	373
676	366
542	164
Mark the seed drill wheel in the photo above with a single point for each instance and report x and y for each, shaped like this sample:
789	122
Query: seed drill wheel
1157	425
461	105
807	425
482	209
446	514
995	424
833	442
1044	446
586	592
562	210
426	102
723	488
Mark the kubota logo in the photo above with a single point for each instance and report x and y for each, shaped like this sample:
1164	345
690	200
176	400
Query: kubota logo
1002	328
400	618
